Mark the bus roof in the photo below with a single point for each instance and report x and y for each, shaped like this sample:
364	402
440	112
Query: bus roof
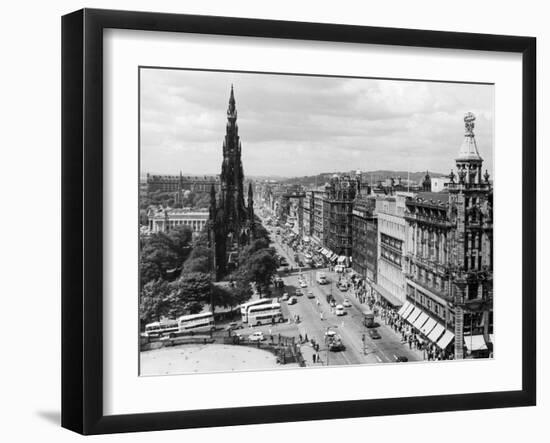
271	306
256	302
194	316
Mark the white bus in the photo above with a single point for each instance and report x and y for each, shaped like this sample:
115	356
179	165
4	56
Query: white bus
203	322
244	307
265	314
159	328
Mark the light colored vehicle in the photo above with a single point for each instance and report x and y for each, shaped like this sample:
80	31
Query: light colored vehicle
256	336
245	306
310	294
159	328
265	314
303	284
340	310
321	278
347	303
285	297
196	322
292	300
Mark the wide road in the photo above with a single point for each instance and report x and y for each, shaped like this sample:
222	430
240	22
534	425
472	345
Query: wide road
316	317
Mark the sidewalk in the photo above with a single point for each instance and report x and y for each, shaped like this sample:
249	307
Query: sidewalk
307	352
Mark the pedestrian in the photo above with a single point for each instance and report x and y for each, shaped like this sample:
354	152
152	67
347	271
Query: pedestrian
314	357
300	335
321	315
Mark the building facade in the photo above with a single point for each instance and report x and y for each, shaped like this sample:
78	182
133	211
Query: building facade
340	193
231	221
365	238
318	214
392	235
450	252
162	220
181	183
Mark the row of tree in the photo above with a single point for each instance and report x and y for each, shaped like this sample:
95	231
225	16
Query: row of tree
176	274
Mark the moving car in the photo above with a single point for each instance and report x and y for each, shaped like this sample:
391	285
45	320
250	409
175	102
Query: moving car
332	303
256	336
292	300
310	294
347	303
298	292
340	310
232	326
374	334
285	296
303	284
336	344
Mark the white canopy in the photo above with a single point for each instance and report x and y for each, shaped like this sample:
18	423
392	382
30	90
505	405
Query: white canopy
475	342
445	340
428	326
436	332
422	318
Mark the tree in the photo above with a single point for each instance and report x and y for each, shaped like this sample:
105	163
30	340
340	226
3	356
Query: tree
153	303
260	268
189	293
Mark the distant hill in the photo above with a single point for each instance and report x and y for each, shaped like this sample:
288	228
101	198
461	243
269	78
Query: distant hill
366	177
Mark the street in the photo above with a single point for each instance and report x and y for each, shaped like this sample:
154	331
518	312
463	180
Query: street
316	317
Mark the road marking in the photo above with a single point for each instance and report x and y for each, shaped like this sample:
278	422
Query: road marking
378	358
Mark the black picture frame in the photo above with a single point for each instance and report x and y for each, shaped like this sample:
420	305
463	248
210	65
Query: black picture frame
82	218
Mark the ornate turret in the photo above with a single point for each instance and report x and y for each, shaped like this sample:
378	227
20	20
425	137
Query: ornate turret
427	183
469	161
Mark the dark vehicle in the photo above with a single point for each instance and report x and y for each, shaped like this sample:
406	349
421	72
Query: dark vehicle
374	334
336	344
401	358
232	326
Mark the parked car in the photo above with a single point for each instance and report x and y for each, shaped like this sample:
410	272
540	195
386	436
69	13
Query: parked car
298	292
292	300
401	358
347	303
285	297
332	303
340	310
303	284
374	334
256	336
310	294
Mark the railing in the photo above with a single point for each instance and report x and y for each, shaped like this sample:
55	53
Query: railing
441	222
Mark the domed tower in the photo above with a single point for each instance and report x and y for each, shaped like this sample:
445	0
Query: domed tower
427	183
471	258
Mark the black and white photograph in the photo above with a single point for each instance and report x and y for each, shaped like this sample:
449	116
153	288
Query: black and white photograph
300	221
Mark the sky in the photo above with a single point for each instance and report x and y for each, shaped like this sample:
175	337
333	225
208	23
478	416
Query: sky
304	125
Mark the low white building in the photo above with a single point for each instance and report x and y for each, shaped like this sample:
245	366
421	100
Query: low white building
160	219
439	183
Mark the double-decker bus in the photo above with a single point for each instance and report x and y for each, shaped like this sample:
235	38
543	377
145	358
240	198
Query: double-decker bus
368	318
244	307
265	314
203	322
158	328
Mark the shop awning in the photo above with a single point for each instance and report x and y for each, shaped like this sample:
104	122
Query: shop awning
436	332
407	310
444	341
334	257
403	308
428	326
387	295
475	342
413	315
422	318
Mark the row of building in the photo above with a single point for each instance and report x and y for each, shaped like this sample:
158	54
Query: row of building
430	245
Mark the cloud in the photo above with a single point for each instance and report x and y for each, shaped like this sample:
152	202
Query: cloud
301	125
